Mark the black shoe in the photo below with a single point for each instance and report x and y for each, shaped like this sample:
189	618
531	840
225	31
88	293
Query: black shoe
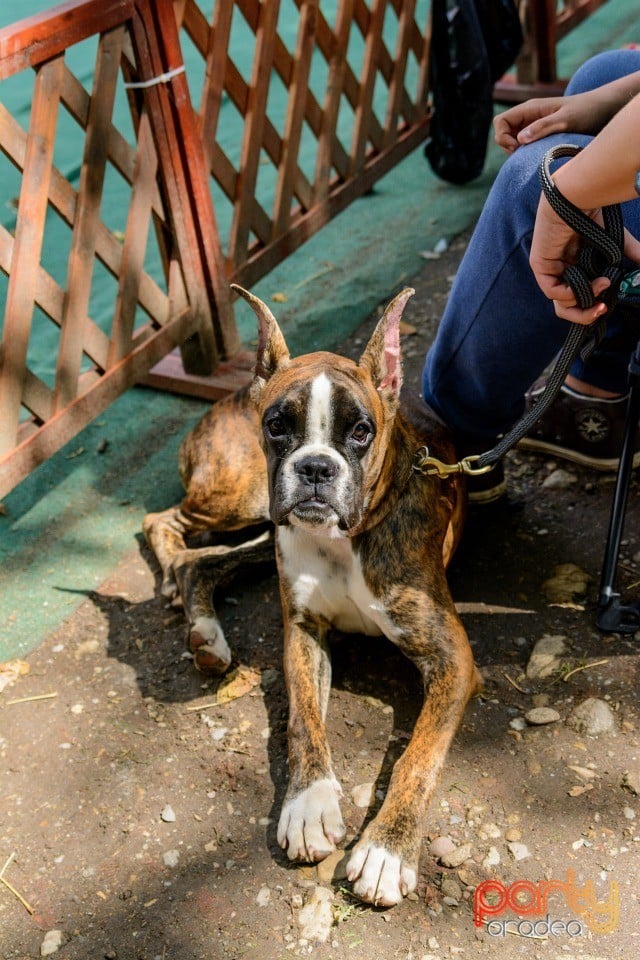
585	430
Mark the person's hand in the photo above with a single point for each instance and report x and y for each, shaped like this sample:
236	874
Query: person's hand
581	113
554	247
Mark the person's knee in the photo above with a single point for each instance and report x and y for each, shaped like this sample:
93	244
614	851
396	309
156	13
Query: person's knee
603	68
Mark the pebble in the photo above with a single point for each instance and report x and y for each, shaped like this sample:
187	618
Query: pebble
362	795
489	831
450	888
333	867
492	859
592	718
52	942
558	480
519	851
545	655
457	856
171	858
540	716
518	723
167	815
585	773
316	917
513	835
631	781
568	582
629	813
264	897
441	846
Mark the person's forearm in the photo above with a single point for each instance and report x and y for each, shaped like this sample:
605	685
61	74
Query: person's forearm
605	171
616	94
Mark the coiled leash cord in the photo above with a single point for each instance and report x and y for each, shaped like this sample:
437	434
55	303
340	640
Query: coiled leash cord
601	256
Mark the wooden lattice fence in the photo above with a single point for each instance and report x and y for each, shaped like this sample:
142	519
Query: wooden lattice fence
366	112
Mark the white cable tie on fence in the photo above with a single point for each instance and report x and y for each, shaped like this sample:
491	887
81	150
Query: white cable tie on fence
154	81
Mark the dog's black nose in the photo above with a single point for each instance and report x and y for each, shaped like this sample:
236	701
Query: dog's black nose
316	470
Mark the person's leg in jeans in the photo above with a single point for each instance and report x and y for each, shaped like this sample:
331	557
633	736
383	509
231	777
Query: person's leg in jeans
499	331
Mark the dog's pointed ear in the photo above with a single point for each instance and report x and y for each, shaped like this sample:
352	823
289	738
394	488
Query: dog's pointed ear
272	350
382	354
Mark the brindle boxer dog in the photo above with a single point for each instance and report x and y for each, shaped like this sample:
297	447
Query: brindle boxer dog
323	447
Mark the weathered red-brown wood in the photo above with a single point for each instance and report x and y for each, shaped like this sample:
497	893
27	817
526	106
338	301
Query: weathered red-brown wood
254	124
41	37
87	215
38	443
32	209
545	23
296	109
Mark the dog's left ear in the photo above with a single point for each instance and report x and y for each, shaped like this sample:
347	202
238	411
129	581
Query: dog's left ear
272	350
382	354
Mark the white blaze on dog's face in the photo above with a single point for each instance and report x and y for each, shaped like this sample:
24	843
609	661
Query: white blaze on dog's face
325	423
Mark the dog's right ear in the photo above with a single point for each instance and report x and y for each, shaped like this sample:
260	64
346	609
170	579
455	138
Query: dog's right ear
272	350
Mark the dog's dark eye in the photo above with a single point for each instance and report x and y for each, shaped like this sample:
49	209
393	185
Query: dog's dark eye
361	432
276	427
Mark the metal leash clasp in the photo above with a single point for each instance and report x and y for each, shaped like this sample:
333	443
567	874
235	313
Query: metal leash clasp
430	466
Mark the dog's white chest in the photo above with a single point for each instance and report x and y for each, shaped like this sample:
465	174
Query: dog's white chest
326	578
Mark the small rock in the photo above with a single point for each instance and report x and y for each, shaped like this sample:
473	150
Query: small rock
441	846
362	795
467	878
489	831
492	859
585	773
631	781
629	813
539	716
592	717
513	834
457	856
518	723
333	867
519	851
568	582
316	917
558	480
167	815
545	655
52	942
450	888
264	897
171	858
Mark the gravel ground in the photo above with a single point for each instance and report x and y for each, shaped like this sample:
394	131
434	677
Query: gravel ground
140	798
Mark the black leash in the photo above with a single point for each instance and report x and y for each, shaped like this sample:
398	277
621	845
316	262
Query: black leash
601	256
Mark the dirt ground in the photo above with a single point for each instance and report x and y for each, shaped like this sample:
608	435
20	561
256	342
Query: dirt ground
141	813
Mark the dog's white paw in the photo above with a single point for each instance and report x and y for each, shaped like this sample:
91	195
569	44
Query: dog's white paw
378	876
211	652
311	824
169	587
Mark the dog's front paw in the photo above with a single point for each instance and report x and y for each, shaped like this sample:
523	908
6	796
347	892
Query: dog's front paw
380	876
211	653
311	824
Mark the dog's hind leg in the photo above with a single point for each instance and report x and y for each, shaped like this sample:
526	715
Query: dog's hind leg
166	534
197	573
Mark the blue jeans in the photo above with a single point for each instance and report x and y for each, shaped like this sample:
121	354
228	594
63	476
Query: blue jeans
499	331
